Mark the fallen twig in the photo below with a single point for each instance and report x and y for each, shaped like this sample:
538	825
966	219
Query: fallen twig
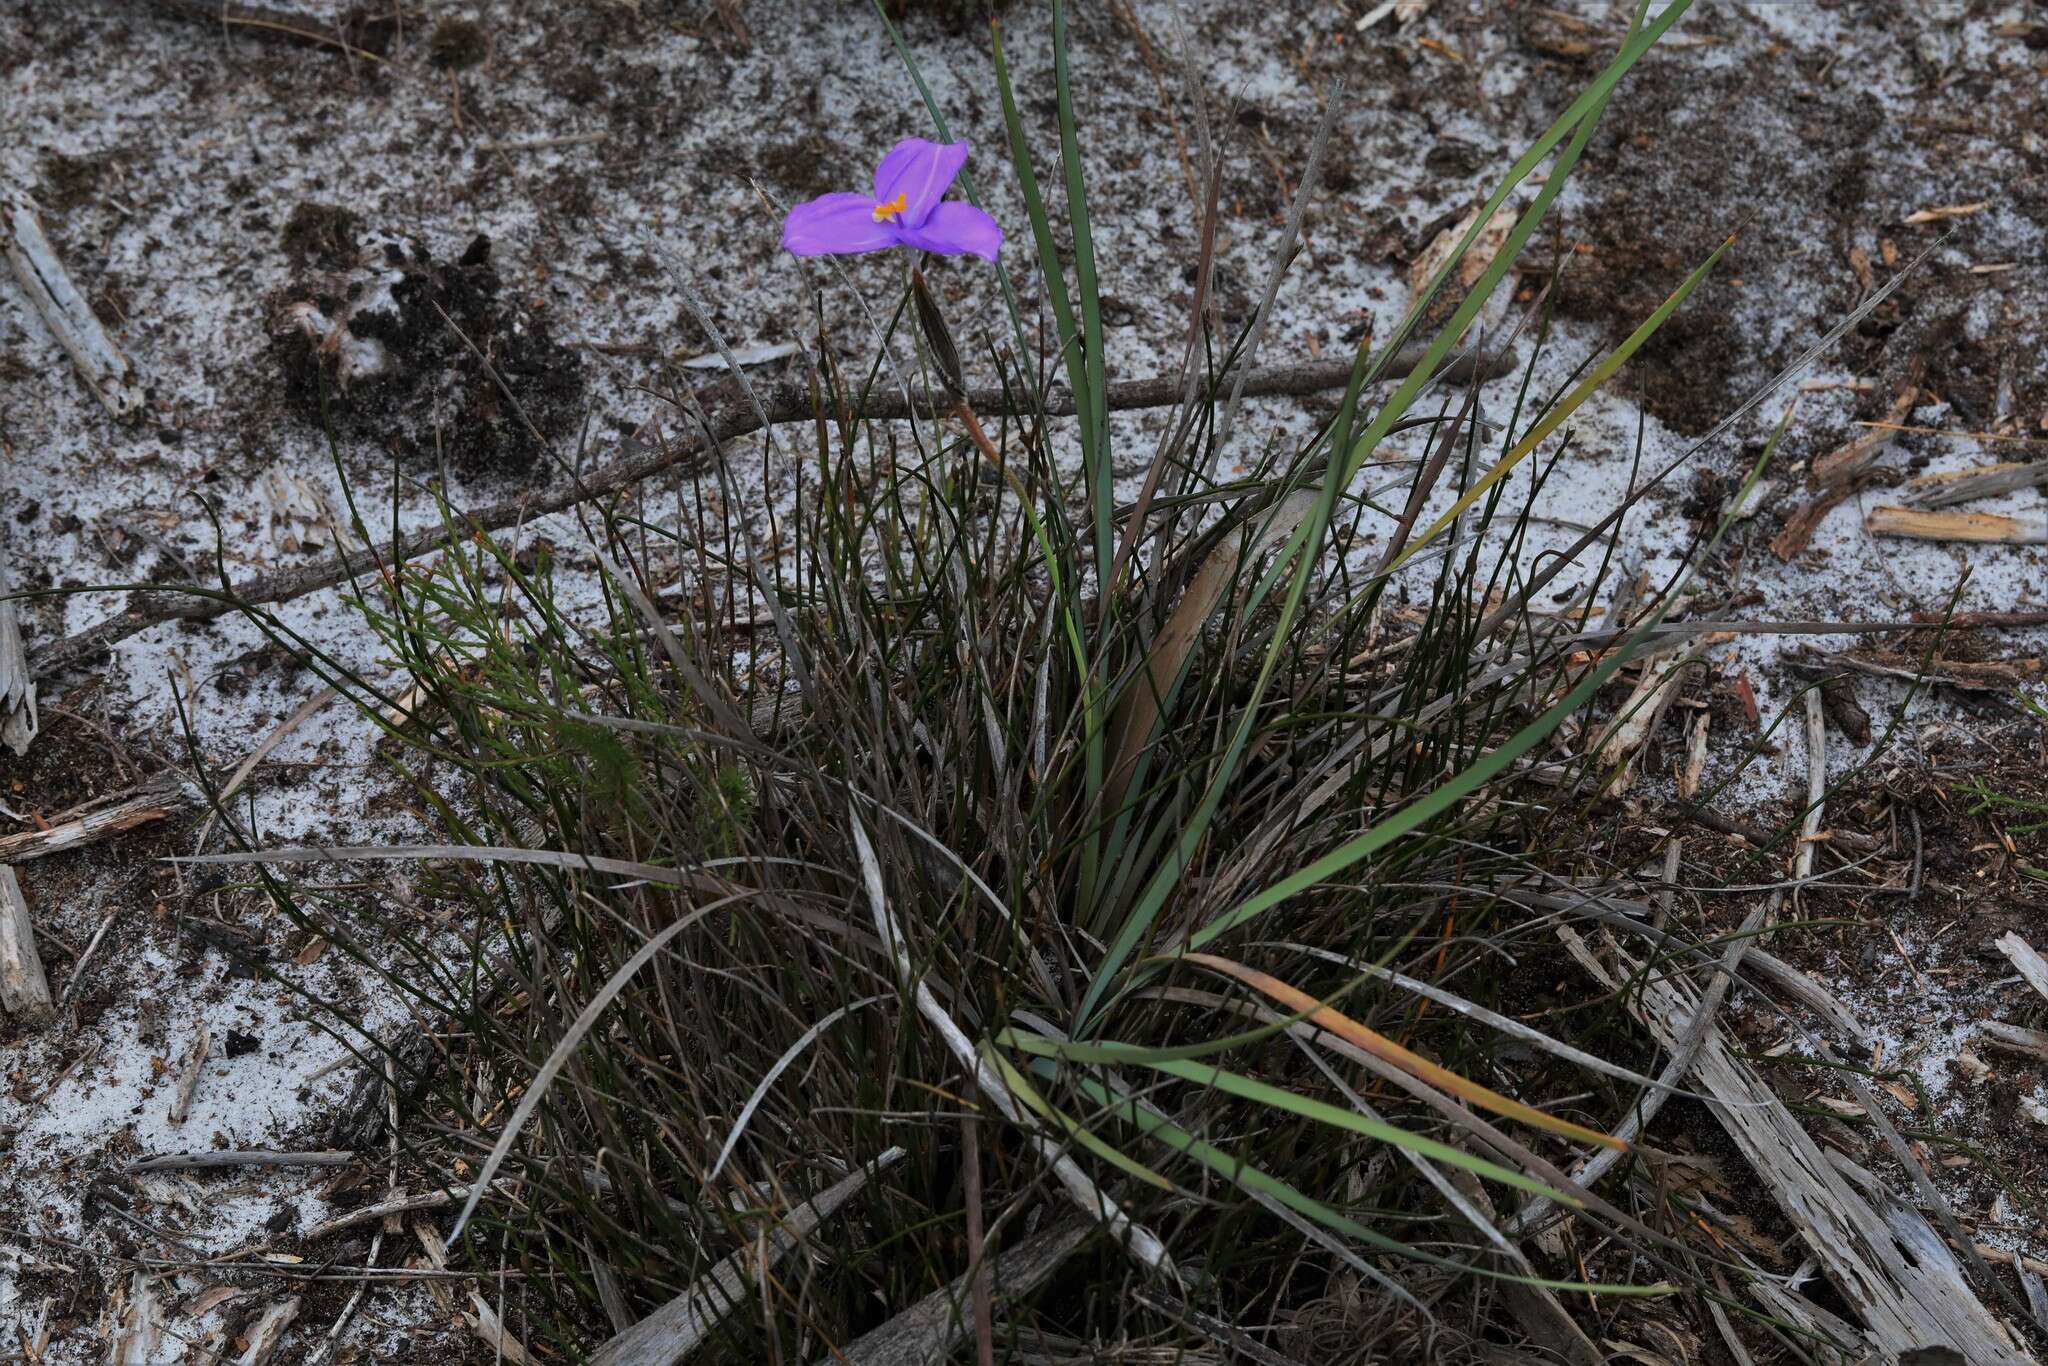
484	1322
1985	675
782	403
1816	786
264	21
84	959
236	1157
404	1204
18	720
2032	1043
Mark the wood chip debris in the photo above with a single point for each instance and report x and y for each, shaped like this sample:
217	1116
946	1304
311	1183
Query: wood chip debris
138	1325
189	1074
1842	471
63	309
483	1321
1944	211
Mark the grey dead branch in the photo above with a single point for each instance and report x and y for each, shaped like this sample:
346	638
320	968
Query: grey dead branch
18	720
639	461
1889	1264
48	288
2011	1038
24	991
676	1329
929	1330
171	1162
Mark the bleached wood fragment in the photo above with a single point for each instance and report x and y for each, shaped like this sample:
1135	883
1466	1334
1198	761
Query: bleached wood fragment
24	991
63	309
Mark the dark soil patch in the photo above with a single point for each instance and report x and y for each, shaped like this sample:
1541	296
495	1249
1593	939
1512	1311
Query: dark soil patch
432	359
1816	178
457	45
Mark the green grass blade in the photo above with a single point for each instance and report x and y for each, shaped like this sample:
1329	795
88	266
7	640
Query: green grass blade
1258	1182
1472	779
1089	403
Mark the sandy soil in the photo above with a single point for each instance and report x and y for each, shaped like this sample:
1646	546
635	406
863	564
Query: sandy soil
544	177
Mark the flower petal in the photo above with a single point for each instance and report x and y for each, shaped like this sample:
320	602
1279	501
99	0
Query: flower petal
920	171
957	229
839	224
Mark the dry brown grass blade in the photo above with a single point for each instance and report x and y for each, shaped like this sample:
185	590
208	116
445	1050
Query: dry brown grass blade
1137	715
1384	1048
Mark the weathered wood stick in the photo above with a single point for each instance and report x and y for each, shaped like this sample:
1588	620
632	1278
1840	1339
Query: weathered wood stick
85	959
237	1157
403	1204
165	795
269	1332
24	991
1841	471
1979	481
1986	527
2032	1043
18	721
188	1076
2024	956
63	309
1857	455
786	402
1990	675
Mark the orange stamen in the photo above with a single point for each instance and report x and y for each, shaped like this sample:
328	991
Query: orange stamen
892	209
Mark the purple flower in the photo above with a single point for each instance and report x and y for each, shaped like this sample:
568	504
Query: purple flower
904	210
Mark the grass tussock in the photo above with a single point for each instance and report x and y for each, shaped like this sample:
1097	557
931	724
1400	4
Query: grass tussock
1139	910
